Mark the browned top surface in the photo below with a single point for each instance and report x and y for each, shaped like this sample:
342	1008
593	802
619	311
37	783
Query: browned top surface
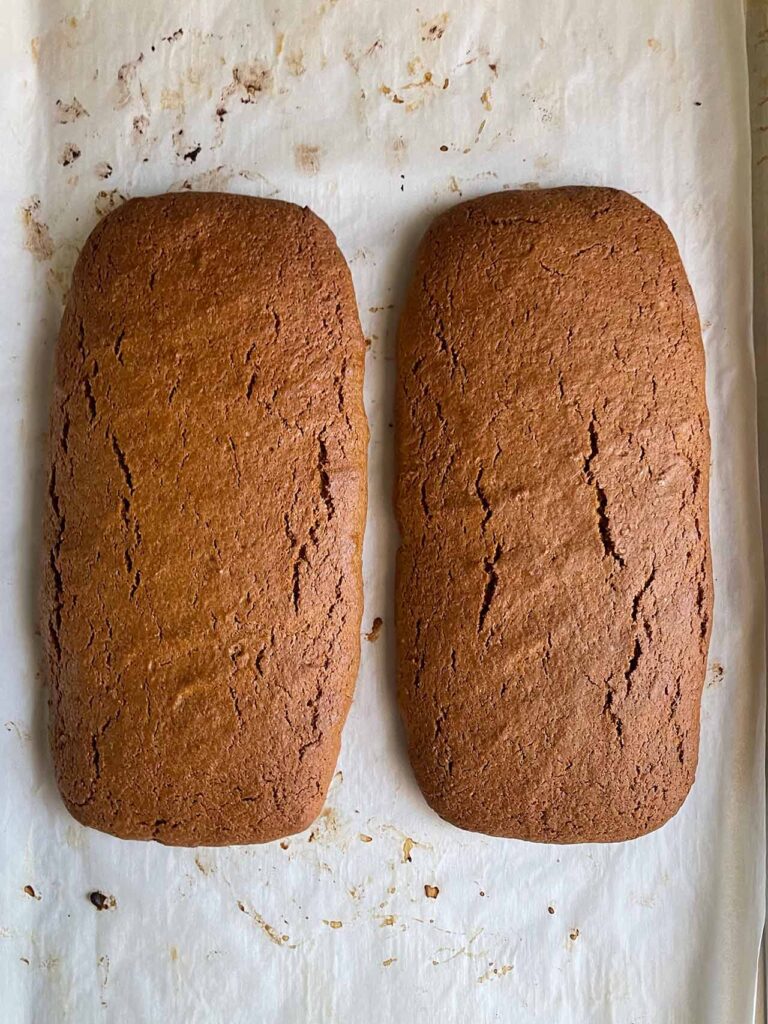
554	586
207	499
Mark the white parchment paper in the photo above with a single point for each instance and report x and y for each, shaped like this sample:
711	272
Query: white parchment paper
377	115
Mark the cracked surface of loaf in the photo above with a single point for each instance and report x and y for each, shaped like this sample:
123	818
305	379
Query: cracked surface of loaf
554	592
207	493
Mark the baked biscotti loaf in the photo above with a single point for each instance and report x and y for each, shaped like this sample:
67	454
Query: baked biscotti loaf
203	588
554	590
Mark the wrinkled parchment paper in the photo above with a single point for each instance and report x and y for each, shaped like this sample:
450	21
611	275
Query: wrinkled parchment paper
377	115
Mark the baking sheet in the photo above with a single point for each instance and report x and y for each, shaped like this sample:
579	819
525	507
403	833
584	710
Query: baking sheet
378	115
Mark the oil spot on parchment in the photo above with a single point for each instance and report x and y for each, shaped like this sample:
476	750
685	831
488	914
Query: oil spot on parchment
452	952
495	972
101	900
716	674
387	920
103	965
37	237
373	634
69	154
30	891
485	98
172	99
75	837
332	924
103	170
105	202
327	828
215	180
128	87
434	29
272	933
307	159
295	63
529	186
431	892
173	953
654	45
67	113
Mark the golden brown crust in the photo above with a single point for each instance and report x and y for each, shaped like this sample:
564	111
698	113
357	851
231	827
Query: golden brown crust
554	588
203	588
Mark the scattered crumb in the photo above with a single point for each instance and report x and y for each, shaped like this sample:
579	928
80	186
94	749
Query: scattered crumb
174	36
495	972
550	910
408	845
716	673
494	69
388	921
389	961
431	892
433	30
482	893
106	202
284	845
69	154
333	924
66	113
443	149
272	933
485	99
574	934
654	44
101	901
37	237
375	630
29	890
364	838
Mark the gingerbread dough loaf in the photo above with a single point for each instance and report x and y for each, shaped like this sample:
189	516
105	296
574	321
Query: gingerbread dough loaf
554	590
207	495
